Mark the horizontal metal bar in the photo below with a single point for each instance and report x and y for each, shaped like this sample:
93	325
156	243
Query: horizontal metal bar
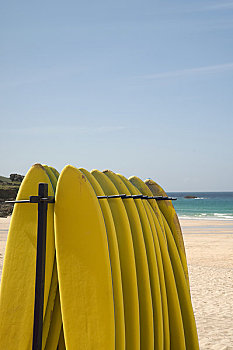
112	196
167	199
160	198
51	199
22	201
136	196
35	199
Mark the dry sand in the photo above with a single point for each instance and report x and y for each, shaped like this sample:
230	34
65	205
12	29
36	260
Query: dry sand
4	225
210	263
209	249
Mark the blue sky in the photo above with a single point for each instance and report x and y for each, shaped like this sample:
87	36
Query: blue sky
140	87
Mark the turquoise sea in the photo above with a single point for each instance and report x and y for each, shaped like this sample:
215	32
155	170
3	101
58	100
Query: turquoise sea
210	205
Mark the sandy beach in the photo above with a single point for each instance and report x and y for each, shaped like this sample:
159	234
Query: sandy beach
4	226
209	247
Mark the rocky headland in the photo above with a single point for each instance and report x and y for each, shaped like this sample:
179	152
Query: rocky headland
8	191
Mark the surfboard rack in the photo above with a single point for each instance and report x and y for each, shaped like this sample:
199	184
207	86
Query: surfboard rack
35	199
51	199
138	196
43	200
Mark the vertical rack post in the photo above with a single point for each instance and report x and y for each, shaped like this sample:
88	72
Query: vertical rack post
40	267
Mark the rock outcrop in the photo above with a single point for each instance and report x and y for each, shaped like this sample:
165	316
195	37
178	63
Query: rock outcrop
16	177
8	191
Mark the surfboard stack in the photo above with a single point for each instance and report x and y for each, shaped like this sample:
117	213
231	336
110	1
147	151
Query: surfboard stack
116	273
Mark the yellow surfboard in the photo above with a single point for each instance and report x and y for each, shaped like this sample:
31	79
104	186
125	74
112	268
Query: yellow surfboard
153	267
166	207
190	330
55	327
154	228
61	343
19	269
84	272
53	178
127	261
143	279
56	173
115	262
177	338
177	252
52	320
49	314
146	191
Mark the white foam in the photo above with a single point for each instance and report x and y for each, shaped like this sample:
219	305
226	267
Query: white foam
206	217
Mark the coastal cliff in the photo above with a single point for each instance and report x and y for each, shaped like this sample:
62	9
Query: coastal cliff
8	191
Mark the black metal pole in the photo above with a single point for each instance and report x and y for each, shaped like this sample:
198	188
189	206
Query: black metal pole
40	268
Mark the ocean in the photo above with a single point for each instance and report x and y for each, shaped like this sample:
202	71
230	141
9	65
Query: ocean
209	205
